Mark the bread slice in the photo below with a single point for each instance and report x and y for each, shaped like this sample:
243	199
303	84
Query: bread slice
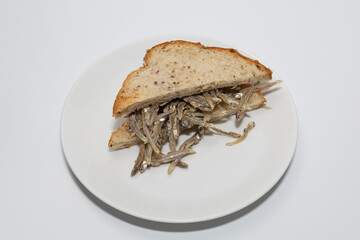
122	138
179	68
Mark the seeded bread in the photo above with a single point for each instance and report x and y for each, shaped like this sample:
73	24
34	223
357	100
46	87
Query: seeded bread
122	137
179	68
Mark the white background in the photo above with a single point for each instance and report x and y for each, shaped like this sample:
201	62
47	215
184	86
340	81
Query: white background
313	45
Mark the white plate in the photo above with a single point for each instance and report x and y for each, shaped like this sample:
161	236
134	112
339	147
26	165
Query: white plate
220	179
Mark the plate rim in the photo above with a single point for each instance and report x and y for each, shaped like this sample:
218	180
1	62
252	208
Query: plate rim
160	219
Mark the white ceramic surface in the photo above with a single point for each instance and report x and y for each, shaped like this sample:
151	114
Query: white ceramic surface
220	179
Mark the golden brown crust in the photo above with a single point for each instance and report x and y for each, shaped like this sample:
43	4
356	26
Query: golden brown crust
230	50
121	100
128	97
122	137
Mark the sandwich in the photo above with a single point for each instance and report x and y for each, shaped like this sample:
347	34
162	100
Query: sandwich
185	85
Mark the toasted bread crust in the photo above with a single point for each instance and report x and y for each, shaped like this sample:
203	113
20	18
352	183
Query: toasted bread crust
131	98
149	52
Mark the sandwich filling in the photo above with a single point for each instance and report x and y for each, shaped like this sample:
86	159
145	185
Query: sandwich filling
163	122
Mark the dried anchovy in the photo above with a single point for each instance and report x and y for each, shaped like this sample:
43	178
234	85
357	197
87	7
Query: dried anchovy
175	128
233	101
149	137
182	164
268	85
261	87
145	115
212	94
220	112
240	111
163	104
240	115
227	99
196	121
139	159
156	131
180	110
193	99
152	146
189	109
223	97
238	95
172	139
135	129
164	115
193	120
164	133
195	139
198	101
214	98
162	122
156	134
153	113
170	106
186	123
250	126
171	156
231	134
209	100
197	114
147	158
161	155
146	129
